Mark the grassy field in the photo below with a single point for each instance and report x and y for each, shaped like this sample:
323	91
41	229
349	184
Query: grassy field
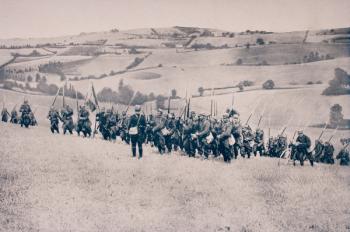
66	183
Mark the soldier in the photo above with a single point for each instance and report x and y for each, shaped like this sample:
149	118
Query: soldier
343	156
54	118
111	124
215	129
236	133
67	119
319	147
328	153
160	131
25	110
14	116
136	128
101	119
303	144
189	128
123	128
33	121
248	137
4	115
172	137
202	134
225	139
259	142
280	145
149	133
84	123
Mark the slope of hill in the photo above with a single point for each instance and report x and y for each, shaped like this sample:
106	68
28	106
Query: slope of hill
77	184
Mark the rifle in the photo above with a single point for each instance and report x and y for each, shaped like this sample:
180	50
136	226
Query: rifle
76	98
284	129
319	137
127	108
248	118
54	100
259	120
63	90
335	131
169	99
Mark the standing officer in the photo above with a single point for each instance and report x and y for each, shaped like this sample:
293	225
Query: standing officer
136	128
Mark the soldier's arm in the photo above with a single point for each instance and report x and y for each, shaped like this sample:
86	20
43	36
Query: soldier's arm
205	130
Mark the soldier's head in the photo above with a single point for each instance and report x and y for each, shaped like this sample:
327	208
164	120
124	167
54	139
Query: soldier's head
201	116
225	117
193	114
159	112
300	132
103	109
124	114
137	109
25	101
52	108
172	116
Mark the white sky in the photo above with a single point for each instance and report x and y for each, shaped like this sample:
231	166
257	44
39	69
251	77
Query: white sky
43	18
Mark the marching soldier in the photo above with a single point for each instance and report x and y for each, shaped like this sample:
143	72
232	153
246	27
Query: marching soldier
84	123
67	119
259	142
54	118
189	128
344	157
225	139
160	131
303	144
123	128
136	128
14	116
4	115
319	147
25	110
328	153
201	135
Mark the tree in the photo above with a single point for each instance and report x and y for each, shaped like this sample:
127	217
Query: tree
201	91
29	78
336	115
173	93
239	61
269	84
37	77
121	84
241	87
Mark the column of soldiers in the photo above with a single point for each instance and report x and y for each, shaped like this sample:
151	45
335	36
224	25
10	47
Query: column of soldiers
195	135
25	117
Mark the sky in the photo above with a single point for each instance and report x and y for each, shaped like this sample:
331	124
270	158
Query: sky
46	18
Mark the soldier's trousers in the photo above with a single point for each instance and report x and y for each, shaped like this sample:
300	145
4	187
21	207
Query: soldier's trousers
136	140
159	141
189	146
168	142
225	150
204	147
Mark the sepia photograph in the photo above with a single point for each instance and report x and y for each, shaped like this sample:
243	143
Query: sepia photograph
175	115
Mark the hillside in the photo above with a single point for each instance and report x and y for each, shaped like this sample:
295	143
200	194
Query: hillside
77	184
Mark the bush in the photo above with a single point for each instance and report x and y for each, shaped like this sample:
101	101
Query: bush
135	63
201	91
239	61
8	85
309	83
52	89
339	85
269	84
319	82
247	83
240	87
260	41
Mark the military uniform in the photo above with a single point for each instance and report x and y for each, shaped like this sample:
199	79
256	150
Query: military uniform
4	115
136	128
303	144
67	118
54	118
159	132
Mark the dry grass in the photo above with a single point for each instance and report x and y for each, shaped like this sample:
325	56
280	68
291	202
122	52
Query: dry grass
77	184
